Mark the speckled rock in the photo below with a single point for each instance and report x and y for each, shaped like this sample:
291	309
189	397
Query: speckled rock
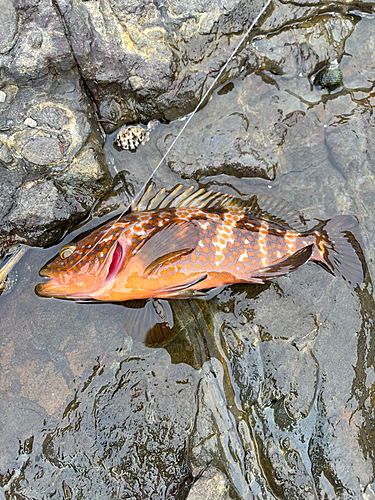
9	25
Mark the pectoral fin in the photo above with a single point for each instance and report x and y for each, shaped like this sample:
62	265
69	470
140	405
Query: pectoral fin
149	321
173	240
285	266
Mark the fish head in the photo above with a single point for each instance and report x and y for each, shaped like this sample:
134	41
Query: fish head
82	267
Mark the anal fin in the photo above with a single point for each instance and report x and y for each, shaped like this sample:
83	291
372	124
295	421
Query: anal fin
286	266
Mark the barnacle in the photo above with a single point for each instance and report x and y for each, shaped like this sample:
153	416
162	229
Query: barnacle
130	137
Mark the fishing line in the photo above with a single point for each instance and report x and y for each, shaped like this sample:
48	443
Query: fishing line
205	95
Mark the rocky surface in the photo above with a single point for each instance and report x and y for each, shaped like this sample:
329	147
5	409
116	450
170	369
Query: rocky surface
51	162
262	392
64	64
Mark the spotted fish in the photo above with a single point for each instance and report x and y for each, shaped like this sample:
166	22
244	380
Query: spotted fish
177	245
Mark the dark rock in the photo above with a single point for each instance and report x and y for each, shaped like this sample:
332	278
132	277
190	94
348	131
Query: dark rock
151	60
9	25
48	134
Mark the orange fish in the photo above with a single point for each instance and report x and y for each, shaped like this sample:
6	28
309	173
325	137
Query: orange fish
176	245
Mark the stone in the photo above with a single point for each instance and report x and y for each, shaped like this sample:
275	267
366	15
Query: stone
8	26
212	485
29	122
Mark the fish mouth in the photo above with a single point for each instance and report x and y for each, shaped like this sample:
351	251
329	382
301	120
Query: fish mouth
48	289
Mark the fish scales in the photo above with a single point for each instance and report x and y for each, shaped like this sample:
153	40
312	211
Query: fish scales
228	246
199	240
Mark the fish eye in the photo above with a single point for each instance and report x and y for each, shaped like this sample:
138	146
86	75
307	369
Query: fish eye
67	251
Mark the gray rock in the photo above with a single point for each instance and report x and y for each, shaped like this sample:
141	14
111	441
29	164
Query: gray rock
47	129
153	60
8	26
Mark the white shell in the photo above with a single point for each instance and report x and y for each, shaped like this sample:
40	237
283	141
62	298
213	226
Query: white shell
3	96
29	122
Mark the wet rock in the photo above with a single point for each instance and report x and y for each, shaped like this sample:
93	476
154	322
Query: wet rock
359	65
314	42
47	129
150	462
212	485
227	136
9	25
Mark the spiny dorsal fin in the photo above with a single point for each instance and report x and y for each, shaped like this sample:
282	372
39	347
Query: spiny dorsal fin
261	206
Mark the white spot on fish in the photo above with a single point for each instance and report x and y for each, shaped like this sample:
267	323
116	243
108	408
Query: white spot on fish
242	256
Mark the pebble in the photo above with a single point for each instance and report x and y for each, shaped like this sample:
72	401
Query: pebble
29	122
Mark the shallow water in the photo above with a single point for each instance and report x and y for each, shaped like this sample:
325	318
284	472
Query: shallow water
273	385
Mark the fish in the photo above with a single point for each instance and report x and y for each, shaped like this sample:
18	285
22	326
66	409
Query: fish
180	244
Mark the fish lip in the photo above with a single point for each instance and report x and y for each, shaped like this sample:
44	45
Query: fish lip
45	273
44	289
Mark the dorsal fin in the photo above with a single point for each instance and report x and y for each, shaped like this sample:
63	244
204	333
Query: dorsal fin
271	209
261	206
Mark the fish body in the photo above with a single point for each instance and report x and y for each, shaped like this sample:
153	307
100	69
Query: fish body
176	245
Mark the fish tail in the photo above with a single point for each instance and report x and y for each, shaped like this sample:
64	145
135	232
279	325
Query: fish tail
338	248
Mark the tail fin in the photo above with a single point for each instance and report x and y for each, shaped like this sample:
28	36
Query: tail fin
338	248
